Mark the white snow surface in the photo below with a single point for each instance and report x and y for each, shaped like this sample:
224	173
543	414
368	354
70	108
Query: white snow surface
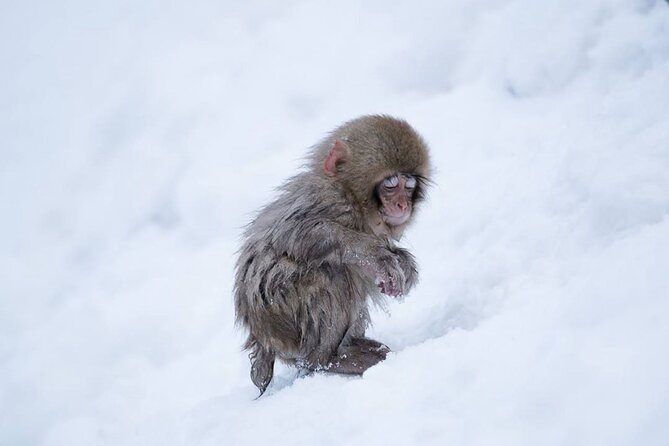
138	138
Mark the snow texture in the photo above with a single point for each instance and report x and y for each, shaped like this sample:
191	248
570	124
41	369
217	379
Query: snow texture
139	137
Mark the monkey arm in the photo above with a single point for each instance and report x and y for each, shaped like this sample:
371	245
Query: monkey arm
324	241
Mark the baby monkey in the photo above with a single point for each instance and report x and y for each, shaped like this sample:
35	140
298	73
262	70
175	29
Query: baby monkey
314	258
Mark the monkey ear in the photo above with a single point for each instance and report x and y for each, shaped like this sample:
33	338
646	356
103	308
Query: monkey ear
337	155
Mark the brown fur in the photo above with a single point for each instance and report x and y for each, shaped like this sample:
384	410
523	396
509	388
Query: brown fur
313	258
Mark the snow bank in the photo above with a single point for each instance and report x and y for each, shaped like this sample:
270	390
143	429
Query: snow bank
139	139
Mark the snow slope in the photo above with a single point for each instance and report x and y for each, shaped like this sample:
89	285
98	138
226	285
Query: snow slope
138	138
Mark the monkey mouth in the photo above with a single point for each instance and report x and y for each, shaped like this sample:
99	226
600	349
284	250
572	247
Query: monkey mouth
395	220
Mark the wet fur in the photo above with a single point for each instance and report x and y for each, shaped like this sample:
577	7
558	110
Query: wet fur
312	258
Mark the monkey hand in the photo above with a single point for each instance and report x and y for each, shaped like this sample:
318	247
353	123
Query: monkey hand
408	264
390	277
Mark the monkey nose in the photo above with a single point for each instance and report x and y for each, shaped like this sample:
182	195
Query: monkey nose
402	206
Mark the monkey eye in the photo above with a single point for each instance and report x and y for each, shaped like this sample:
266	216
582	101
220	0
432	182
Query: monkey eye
410	181
391	182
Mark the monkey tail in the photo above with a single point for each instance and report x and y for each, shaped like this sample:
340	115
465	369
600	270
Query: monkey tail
262	364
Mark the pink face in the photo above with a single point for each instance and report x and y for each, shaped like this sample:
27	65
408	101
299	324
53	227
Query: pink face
396	196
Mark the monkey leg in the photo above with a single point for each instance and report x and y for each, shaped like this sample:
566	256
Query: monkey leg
371	345
354	360
357	356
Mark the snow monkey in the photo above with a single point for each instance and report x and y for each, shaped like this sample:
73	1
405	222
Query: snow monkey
315	257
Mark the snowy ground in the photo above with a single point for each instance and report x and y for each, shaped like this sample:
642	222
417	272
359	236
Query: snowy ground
137	138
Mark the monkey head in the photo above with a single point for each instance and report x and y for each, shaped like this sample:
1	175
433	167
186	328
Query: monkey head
384	164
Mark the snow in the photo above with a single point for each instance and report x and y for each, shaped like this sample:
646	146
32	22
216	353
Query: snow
139	138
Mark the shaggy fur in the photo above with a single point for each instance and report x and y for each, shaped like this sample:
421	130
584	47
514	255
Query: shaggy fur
313	258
